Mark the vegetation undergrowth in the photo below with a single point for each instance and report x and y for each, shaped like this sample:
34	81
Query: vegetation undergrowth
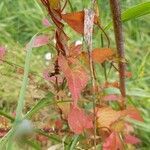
45	114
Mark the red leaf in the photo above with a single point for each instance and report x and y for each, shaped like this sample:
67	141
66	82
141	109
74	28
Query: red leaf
76	20
100	55
133	113
40	41
76	78
130	139
74	50
78	121
112	142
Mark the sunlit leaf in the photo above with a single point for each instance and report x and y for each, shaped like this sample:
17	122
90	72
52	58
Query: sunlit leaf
76	20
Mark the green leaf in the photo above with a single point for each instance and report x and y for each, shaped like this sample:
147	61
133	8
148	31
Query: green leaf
74	142
136	11
133	12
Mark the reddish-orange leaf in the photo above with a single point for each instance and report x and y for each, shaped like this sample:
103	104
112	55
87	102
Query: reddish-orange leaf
100	55
78	121
113	142
130	139
133	113
106	116
76	20
77	78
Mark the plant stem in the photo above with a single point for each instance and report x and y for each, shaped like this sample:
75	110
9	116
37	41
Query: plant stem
88	31
116	14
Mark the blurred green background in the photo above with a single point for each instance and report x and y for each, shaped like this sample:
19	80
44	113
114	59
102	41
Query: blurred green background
21	19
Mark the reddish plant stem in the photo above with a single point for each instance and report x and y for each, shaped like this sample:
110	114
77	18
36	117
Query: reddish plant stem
116	14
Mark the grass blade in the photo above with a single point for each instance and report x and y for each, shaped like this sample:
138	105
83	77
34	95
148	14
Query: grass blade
133	12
